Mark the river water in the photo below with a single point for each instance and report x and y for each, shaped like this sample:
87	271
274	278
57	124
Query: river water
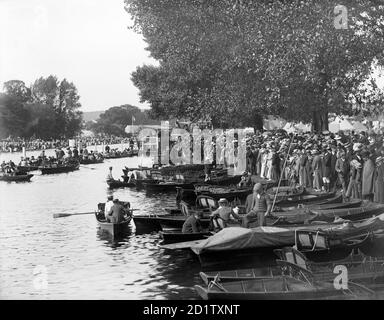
68	258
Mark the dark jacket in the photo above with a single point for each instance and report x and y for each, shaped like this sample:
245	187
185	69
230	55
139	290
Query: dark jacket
117	213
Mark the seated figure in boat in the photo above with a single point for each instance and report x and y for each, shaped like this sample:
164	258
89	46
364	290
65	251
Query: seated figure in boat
258	205
108	206
117	212
222	216
192	224
245	181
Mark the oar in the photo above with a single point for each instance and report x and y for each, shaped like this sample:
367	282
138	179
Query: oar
87	167
62	215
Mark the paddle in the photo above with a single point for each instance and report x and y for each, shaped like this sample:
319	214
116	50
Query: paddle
87	167
62	215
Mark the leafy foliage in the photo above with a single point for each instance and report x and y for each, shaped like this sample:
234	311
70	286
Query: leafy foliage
48	109
233	61
115	119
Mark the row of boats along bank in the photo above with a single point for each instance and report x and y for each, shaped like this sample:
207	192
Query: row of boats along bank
308	236
51	165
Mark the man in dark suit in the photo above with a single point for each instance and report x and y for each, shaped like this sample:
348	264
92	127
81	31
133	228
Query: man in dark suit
326	169
333	176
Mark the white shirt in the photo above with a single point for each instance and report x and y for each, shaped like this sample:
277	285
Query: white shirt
108	207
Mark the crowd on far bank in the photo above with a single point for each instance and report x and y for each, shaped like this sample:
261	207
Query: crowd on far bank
17	144
350	161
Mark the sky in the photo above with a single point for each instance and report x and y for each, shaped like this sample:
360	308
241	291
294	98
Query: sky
85	41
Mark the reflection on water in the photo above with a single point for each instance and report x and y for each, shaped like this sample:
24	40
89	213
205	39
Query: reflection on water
80	261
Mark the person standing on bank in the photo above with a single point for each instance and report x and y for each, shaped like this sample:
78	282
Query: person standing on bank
258	205
368	174
342	171
379	178
317	170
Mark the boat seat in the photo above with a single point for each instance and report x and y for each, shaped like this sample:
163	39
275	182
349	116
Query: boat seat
293	256
206	202
311	240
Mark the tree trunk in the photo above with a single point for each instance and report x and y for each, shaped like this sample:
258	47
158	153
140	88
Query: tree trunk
320	120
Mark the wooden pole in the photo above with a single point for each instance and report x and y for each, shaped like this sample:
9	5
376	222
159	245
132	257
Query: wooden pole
281	173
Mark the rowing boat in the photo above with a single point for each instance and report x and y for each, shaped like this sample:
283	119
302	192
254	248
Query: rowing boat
172	237
16	178
91	161
278	288
59	168
114	229
360	268
310	198
331	240
114	184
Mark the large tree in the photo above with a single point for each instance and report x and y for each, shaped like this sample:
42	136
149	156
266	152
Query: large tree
234	61
115	120
63	98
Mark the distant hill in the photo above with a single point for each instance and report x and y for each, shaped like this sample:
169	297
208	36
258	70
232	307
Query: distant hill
91	115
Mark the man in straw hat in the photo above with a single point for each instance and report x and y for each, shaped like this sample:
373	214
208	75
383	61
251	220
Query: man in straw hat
222	215
258	205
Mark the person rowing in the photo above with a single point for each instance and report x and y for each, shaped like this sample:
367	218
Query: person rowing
117	212
108	206
222	215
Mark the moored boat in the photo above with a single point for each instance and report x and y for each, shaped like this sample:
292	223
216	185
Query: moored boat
91	161
114	184
362	268
53	169
280	288
331	240
172	237
16	178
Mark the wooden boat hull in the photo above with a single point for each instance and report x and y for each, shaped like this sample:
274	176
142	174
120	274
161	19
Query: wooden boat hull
366	270
115	184
17	178
177	221
308	199
349	213
160	187
88	161
279	288
146	224
27	168
115	229
172	237
55	170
